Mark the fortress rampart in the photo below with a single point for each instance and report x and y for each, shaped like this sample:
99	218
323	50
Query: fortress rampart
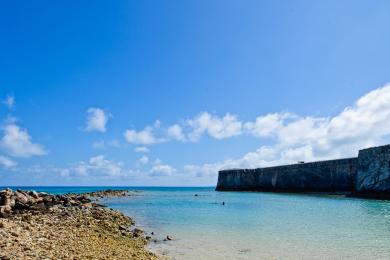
367	174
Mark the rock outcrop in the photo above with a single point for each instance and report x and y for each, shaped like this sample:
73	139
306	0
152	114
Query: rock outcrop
37	225
19	200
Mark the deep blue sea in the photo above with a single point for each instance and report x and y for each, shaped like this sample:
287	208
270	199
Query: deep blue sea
254	225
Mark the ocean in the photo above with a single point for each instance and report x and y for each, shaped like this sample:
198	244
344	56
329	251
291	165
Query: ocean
254	225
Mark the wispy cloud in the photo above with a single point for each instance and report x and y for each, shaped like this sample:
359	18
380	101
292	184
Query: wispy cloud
7	162
99	144
141	149
143	160
9	101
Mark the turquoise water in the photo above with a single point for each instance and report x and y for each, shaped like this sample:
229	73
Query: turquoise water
257	225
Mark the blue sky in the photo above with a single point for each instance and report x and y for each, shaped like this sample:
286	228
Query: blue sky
168	93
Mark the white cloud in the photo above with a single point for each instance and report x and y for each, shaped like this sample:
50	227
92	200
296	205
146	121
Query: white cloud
366	123
160	169
98	144
98	166
157	124
205	170
176	132
96	120
289	138
103	144
115	143
219	128
144	137
17	142
9	101
267	125
7	162
141	149
143	160
65	173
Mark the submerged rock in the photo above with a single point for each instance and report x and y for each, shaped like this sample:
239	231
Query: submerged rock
138	232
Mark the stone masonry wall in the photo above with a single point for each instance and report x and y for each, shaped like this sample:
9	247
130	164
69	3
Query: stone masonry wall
368	174
373	174
332	175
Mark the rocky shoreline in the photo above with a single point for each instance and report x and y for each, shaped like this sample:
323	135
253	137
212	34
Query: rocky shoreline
37	225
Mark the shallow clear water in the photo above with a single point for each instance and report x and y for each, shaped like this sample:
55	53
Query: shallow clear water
257	225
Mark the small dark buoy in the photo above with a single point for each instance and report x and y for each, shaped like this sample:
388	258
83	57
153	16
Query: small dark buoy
196	195
223	203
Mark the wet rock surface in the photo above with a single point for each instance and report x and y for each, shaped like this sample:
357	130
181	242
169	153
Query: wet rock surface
108	193
37	225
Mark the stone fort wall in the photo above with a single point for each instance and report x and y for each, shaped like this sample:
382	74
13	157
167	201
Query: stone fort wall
367	173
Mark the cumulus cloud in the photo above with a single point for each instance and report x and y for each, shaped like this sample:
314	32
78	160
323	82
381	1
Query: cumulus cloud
9	101
141	149
366	123
160	169
289	138
188	130
267	125
176	132
143	137
98	166
7	162
143	160
216	127
96	120
17	142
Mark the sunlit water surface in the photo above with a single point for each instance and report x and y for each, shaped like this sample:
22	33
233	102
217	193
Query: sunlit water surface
256	225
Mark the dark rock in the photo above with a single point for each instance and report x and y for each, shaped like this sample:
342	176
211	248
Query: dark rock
138	232
374	170
21	198
34	194
121	227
